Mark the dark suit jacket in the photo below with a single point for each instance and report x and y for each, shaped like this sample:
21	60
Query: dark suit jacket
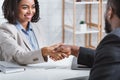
105	60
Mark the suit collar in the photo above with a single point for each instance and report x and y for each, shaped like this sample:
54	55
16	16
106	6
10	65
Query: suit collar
36	32
20	30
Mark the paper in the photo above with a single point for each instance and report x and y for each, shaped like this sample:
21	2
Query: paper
8	67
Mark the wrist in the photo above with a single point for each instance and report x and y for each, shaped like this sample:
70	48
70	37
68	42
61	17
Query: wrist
74	50
45	51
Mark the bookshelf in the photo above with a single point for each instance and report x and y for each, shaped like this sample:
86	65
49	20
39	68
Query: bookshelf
91	27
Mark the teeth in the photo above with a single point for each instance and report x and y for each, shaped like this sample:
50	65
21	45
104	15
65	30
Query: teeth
28	16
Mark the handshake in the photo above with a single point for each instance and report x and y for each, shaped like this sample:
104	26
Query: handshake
60	51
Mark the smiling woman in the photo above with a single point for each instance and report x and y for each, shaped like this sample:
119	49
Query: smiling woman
26	10
20	39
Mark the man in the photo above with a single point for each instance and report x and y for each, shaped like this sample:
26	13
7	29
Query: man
105	60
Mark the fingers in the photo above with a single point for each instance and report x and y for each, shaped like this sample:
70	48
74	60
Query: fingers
56	45
59	51
63	48
58	56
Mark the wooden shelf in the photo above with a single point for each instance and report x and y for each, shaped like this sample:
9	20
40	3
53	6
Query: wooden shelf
104	2
89	30
91	27
84	2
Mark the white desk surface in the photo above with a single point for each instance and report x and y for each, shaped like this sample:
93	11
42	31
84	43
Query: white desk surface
46	71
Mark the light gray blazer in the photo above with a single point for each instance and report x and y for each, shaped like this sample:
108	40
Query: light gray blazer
14	47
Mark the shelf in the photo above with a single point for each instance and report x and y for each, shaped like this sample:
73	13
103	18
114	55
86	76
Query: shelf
89	30
104	2
91	27
84	2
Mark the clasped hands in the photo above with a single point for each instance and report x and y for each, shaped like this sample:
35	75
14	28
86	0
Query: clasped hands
57	52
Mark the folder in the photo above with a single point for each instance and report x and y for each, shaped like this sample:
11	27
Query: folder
8	67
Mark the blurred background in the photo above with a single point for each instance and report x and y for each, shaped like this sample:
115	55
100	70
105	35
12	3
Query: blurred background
51	20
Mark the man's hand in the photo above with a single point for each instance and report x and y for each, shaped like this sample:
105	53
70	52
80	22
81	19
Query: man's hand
50	51
68	49
60	51
63	51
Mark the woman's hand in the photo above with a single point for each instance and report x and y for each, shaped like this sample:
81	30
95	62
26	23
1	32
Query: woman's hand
53	53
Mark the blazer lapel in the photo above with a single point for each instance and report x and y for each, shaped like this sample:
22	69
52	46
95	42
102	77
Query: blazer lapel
37	35
25	40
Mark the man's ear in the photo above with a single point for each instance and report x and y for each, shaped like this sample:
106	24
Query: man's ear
110	13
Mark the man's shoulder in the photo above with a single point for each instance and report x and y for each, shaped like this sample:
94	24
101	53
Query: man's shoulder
111	38
116	32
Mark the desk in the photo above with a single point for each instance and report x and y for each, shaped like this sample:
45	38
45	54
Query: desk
56	71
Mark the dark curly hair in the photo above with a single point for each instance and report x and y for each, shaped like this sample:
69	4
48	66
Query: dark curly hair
9	9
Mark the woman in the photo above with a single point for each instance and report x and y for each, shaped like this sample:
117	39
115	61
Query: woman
20	39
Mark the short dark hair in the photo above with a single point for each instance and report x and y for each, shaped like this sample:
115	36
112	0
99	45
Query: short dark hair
115	5
9	9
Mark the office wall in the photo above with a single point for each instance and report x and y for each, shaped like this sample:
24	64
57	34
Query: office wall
50	11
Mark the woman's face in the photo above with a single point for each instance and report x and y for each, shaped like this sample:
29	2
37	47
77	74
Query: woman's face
26	10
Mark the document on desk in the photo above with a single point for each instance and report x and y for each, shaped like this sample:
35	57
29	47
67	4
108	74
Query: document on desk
7	67
45	66
62	64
